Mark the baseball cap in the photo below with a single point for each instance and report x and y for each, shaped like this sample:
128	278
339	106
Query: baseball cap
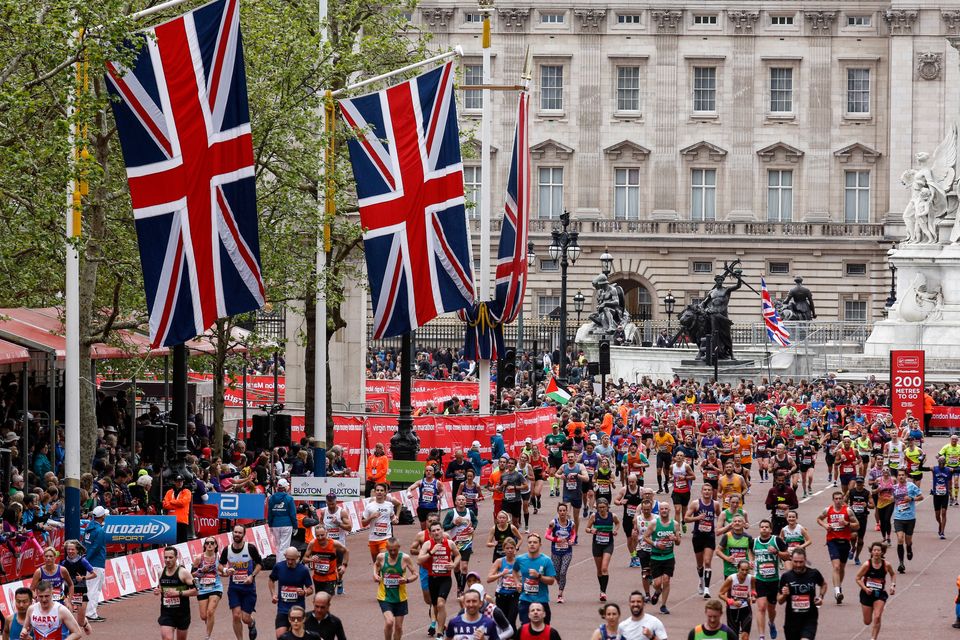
142	472
178	478
528	441
476	443
100	512
282	483
858	479
478	588
499	429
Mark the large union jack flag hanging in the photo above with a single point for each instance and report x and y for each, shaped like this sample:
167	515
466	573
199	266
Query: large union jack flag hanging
406	162
184	125
775	329
484	335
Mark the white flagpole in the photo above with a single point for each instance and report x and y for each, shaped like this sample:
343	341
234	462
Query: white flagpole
486	176
157	9
320	335
457	52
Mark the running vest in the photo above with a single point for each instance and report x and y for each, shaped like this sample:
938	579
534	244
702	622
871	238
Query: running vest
15	626
836	529
440	564
428	495
740	591
680	483
706	527
663	533
471	494
894	454
206	577
333	524
736	548
393	587
507	584
56	582
941	480
602	484
47	626
633	501
572	484
635	464
859	502
462	534
174	606
526	635
602	529
642	527
591	461
793	537
876	579
562	534
499	535
767	559
323	568
243	566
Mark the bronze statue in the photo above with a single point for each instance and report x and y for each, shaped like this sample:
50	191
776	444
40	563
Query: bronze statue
610	313
798	304
711	316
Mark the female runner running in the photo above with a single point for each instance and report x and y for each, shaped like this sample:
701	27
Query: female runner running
872	580
603	525
562	533
207	579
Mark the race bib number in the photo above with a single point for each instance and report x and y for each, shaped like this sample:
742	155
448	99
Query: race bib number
807	460
561	544
800	602
509	493
427	494
767	569
903	506
441	565
508	583
76	599
953	460
846	469
321	566
859	506
531	585
553	449
381	529
391	580
761	448
740	592
571	484
602	538
289	594
171	601
663	448
240	577
679	483
208	581
874	584
631	510
705	525
782	510
940	489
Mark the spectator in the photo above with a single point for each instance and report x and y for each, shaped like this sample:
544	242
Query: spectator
282	515
95	541
177	503
377	467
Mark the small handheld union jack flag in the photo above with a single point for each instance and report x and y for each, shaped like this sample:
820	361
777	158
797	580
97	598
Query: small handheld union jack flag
184	126
775	330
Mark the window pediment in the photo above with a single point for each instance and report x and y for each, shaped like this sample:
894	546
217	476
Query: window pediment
703	149
857	150
626	150
780	150
551	148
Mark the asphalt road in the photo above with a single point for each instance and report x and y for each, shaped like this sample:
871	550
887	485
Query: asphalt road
922	607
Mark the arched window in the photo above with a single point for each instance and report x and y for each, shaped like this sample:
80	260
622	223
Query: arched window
638	300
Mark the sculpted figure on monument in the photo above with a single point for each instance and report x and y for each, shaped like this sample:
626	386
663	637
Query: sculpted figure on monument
711	316
933	192
610	312
798	304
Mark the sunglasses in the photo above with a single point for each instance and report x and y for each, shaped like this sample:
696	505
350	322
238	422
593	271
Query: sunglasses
210	544
295	618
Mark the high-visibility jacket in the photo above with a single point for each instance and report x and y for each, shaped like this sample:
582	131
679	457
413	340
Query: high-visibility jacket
178	504
377	468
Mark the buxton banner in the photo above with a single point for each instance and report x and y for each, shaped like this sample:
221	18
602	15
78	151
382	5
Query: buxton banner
906	384
316	489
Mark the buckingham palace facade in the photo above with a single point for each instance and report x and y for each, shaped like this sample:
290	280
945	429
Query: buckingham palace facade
682	135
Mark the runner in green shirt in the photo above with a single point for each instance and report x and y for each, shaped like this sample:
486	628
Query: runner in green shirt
735	545
768	551
951	452
663	537
554	441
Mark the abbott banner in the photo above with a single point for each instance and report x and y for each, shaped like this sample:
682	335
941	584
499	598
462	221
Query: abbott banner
906	384
316	489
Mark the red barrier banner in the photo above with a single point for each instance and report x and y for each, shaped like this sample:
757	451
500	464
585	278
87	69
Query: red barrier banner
945	418
906	383
206	520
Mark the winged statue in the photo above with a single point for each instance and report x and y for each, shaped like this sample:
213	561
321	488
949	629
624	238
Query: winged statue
933	192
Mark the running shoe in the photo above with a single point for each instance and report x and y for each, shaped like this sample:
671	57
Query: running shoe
850	555
655	597
340	589
773	631
603	597
909	553
96	619
700	589
706	594
943	537
856	561
432	629
586	512
684	527
560	598
664	610
901	569
839	597
252	630
634	561
536	511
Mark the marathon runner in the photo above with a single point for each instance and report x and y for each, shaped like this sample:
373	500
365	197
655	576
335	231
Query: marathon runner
471	624
914	457
175	588
428	498
794	535
711	469
562	534
768	551
439	556
508	589
731	484
906	495
206	575
604	481
380	514
240	562
13	625
56	576
460	524
885	503
424	575
327	559
645	521
634	463
860	501
840	526
603	525
725	521
590	461
554	441
872	580
337	522
951	452
393	571
610	627
534	572
512	483
781	498
683	477
50	620
630	496
640	625
798	591
290	585
806	457
702	512
502	530
663	537
735	545
738	592
664	443
471	491
572	476
941	477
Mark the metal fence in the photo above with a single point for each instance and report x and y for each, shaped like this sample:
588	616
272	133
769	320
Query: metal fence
449	333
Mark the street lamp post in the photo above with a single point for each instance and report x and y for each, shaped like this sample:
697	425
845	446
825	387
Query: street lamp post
564	247
606	263
669	303
578	300
892	298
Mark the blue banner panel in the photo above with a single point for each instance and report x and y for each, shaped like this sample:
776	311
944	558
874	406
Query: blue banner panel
141	529
243	506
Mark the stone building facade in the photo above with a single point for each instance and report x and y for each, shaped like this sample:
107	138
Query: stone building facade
683	134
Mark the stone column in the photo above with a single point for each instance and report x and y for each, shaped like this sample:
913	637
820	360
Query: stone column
741	158
665	120
818	159
901	151
587	159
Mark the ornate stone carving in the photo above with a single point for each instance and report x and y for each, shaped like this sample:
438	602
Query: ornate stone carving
821	22
667	20
627	150
929	65
590	19
846	154
933	192
556	150
712	151
436	16
513	18
790	154
743	21
900	20
952	20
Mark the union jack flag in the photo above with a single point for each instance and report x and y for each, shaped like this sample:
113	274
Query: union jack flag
406	162
184	126
512	254
775	330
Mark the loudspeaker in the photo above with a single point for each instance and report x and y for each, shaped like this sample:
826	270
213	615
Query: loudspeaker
604	357
260	433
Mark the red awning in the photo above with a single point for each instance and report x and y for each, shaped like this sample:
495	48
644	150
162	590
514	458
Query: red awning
12	353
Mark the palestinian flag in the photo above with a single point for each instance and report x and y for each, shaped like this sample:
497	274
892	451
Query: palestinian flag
555	393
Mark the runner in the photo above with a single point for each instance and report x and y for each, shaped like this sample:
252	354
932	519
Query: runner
505	628
762	451
604	481
798	590
337	522
512	483
534	572
664	443
290	585
327	560
502	530
872	580
562	534
539	626
472	492
663	537
768	551
240	561
683	477
914	457
840	525
80	571
712	469
573	475
735	545
941	476
645	521
428	499
634	463
590	460
439	556
539	465
630	496
951	451
525	469
864	446
893	452
22	599
554	441
49	620
725	521
702	512
744	442
206	576
795	536
806	457
175	588
610	627
603	525
418	542
885	504
906	495
640	625
780	499
460	523
731	484
471	624
712	628
380	514
738	592
56	576
297	630
508	589
393	571
860	501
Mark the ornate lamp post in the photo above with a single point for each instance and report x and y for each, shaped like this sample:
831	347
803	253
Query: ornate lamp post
564	247
669	303
578	300
606	263
892	298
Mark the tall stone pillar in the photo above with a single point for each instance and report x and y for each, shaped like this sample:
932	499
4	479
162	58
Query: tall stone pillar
665	123
818	159
741	158
901	118
588	156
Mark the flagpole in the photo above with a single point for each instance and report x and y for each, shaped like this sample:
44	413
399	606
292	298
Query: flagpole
77	189
456	53
170	4
486	175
